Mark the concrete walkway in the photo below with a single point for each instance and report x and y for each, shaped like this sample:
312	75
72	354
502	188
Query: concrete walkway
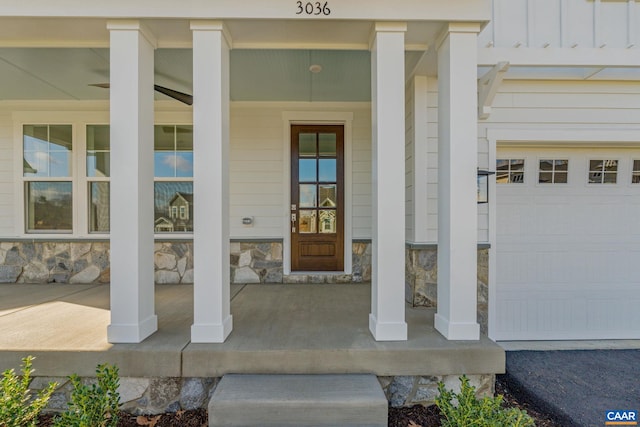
278	329
577	386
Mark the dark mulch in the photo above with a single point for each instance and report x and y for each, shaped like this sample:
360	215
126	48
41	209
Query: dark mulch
195	418
419	415
415	416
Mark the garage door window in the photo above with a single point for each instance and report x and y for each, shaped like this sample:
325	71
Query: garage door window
635	177
510	171
603	171
553	171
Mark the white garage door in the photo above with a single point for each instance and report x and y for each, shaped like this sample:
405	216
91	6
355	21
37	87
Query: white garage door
568	244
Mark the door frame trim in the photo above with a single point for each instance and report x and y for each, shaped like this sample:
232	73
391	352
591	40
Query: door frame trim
317	118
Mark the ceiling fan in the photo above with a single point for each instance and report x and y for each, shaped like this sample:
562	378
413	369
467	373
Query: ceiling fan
185	98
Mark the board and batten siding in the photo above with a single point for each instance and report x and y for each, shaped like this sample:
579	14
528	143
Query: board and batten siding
7	178
258	183
562	23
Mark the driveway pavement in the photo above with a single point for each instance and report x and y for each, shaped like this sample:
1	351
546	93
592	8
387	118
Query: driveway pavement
577	387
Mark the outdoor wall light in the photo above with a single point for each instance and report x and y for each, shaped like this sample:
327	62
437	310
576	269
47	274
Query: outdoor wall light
483	185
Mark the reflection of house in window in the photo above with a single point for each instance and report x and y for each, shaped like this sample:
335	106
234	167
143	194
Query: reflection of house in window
179	214
163	225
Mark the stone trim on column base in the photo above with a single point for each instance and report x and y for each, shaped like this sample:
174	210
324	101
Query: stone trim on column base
456	331
396	331
212	333
132	333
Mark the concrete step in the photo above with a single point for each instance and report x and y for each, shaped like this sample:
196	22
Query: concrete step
298	400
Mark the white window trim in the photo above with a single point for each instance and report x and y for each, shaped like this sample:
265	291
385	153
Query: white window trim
78	121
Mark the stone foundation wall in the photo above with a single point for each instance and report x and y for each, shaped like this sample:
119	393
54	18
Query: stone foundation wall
148	396
421	278
60	262
261	262
88	262
422	390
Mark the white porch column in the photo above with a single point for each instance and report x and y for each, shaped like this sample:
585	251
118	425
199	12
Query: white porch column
387	321
212	321
457	182
133	315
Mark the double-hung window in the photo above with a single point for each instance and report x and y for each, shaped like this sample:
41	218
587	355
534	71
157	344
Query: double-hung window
173	166
635	174
98	172
47	171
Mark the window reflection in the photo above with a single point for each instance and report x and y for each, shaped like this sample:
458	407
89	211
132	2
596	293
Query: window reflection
307	221
308	196
307	170
307	144
327	144
99	207
49	206
328	196
509	171
47	150
173	207
603	171
553	171
327	170
327	221
173	151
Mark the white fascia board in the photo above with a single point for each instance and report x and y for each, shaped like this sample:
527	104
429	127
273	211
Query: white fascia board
432	10
559	57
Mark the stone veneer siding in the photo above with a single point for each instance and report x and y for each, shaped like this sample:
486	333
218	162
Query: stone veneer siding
251	262
88	262
157	395
421	278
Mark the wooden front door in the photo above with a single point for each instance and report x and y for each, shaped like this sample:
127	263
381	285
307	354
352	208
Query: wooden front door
317	198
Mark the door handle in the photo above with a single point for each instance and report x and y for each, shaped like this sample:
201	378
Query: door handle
293	217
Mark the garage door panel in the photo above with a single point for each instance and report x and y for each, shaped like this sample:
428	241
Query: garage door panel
512	220
568	256
551	218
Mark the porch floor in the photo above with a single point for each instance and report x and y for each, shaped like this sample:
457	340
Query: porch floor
312	329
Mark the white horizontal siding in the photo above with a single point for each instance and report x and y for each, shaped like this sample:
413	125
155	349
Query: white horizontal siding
7	176
361	177
258	185
409	160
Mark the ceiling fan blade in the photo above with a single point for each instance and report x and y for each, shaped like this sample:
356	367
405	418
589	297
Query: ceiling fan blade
180	96
185	98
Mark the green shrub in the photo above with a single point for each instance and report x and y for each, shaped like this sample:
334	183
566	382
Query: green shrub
466	410
94	405
18	408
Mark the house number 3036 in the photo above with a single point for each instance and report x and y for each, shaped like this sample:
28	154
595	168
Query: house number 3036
313	8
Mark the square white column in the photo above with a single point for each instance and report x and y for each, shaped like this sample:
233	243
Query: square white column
212	321
457	182
133	315
387	317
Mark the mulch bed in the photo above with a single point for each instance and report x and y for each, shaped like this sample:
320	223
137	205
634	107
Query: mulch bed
415	416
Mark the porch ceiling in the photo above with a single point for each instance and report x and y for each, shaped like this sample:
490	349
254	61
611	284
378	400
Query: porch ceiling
56	58
256	74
